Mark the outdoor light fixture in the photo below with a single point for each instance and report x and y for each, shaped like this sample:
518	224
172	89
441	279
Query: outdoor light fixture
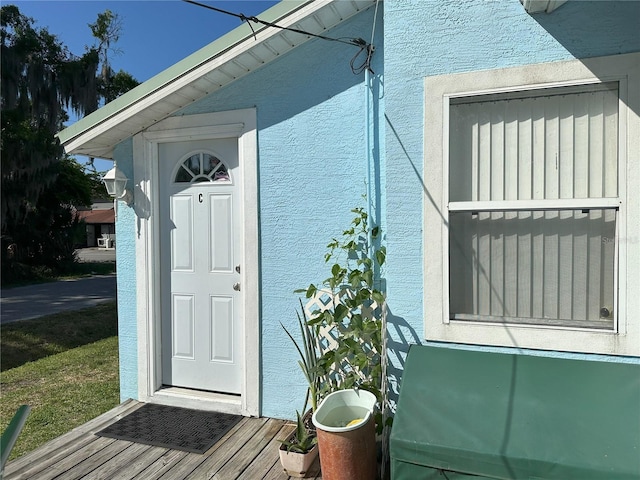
116	183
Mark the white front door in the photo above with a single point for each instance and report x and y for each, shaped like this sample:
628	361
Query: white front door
201	249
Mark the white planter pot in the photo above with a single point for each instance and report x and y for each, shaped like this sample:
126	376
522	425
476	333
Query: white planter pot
297	464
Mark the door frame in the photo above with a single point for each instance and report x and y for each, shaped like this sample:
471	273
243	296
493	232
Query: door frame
240	124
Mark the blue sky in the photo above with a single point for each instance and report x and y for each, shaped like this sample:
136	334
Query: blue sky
155	34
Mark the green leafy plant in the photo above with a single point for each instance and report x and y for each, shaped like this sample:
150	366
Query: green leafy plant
303	439
309	352
354	312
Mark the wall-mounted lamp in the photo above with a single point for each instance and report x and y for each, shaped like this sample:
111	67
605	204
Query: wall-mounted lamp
116	183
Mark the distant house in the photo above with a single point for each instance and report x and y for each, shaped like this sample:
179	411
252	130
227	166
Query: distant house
498	150
99	220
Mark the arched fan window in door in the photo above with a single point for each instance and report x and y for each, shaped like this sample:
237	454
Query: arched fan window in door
202	167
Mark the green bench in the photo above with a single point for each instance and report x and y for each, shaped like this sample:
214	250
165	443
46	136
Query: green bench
466	414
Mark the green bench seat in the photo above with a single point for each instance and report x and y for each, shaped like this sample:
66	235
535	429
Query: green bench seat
465	413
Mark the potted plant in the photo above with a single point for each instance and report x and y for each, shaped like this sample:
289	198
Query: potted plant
351	312
309	352
299	450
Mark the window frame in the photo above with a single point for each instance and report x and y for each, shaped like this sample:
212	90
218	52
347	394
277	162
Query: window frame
624	339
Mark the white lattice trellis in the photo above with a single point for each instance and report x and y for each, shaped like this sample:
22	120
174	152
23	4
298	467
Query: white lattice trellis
326	300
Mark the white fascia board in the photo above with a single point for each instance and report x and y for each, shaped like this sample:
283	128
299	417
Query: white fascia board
75	144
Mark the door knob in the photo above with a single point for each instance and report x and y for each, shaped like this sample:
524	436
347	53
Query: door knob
236	287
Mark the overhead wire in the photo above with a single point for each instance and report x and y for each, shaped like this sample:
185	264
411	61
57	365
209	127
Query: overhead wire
356	42
370	48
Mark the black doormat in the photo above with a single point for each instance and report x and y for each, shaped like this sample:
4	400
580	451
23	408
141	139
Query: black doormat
172	427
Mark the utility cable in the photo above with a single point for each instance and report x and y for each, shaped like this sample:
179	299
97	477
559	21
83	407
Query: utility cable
366	64
356	42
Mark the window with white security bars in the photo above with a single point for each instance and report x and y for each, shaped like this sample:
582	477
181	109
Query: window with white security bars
533	201
531	206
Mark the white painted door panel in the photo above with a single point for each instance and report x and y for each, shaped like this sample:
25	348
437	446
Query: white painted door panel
201	247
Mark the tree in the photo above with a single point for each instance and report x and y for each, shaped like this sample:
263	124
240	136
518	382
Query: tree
40	78
106	31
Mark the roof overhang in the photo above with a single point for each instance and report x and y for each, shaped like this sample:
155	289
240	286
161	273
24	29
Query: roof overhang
223	61
97	216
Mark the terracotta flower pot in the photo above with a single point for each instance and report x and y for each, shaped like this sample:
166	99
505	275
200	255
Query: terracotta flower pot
349	455
345	426
297	464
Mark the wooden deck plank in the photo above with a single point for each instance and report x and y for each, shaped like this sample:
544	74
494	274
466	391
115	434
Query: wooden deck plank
125	458
31	470
72	460
97	460
68	442
276	473
216	461
191	461
265	460
249	451
161	466
146	458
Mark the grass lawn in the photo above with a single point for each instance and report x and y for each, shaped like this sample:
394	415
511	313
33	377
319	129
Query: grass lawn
83	269
34	275
65	366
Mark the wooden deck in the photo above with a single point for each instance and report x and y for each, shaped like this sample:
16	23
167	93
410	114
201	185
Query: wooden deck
249	451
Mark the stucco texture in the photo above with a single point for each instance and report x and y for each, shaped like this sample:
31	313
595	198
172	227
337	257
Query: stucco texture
425	38
125	260
312	170
314	153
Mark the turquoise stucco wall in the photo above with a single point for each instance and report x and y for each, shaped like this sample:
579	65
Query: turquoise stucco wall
429	37
313	154
126	280
312	170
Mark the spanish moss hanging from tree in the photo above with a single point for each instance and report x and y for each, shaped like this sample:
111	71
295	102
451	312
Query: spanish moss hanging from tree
40	79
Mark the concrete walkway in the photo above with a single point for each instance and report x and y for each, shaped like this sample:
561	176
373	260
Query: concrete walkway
94	254
32	301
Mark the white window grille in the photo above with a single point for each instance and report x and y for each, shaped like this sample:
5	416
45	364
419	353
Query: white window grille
533	196
532	207
202	167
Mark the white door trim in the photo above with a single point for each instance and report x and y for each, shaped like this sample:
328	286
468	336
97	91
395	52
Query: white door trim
236	123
